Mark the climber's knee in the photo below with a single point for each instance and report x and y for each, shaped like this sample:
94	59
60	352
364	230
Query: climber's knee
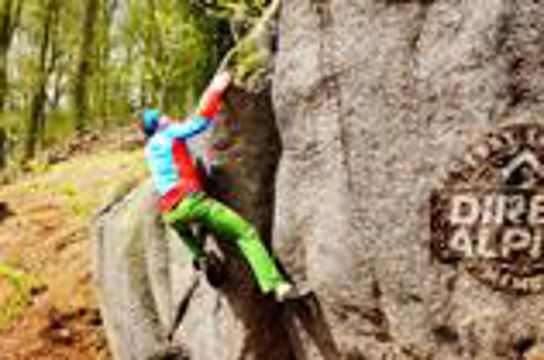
248	233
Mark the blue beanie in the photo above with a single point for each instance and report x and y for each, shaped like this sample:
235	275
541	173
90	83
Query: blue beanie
150	121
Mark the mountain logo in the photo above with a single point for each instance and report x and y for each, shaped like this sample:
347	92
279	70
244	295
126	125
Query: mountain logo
488	217
524	170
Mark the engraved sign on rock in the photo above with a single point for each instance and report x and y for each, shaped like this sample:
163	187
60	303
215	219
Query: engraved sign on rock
488	218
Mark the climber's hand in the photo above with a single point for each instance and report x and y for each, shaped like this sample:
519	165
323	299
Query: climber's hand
211	100
221	82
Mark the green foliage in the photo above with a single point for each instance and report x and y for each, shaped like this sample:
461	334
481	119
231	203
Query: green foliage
15	277
18	300
249	60
249	9
252	55
172	49
80	203
36	167
11	122
59	127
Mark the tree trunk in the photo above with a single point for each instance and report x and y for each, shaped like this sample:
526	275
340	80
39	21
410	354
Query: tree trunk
154	51
9	19
36	119
84	67
3	148
103	86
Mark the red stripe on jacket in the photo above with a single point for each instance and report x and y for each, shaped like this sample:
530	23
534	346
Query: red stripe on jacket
189	179
211	103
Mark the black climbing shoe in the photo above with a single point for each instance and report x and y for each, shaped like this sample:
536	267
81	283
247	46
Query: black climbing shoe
212	266
198	263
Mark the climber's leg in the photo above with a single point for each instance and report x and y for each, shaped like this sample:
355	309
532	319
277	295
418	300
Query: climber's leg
179	219
227	224
193	245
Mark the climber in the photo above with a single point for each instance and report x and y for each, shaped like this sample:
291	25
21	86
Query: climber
183	201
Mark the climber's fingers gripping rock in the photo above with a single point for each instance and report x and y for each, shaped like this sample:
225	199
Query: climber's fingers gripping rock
211	99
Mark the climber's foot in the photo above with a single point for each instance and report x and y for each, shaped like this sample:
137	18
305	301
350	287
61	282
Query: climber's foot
212	266
286	291
170	352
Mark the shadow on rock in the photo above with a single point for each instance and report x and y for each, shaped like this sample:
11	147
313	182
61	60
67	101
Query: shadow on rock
307	311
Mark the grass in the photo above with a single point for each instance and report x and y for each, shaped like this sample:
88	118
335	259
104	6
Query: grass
86	185
19	297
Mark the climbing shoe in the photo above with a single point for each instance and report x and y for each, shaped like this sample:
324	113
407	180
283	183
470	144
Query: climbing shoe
212	266
170	352
286	291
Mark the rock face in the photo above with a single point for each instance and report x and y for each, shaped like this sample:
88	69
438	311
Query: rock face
375	100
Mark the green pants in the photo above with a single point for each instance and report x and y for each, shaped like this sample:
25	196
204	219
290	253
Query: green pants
226	224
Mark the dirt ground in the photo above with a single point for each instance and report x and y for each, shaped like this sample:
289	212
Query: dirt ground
45	238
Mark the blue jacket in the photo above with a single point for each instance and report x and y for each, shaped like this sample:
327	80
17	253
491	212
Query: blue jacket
170	160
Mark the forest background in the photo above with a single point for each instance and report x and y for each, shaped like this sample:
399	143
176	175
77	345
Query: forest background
68	67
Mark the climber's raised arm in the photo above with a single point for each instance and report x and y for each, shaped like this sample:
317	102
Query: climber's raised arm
210	101
208	107
193	126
